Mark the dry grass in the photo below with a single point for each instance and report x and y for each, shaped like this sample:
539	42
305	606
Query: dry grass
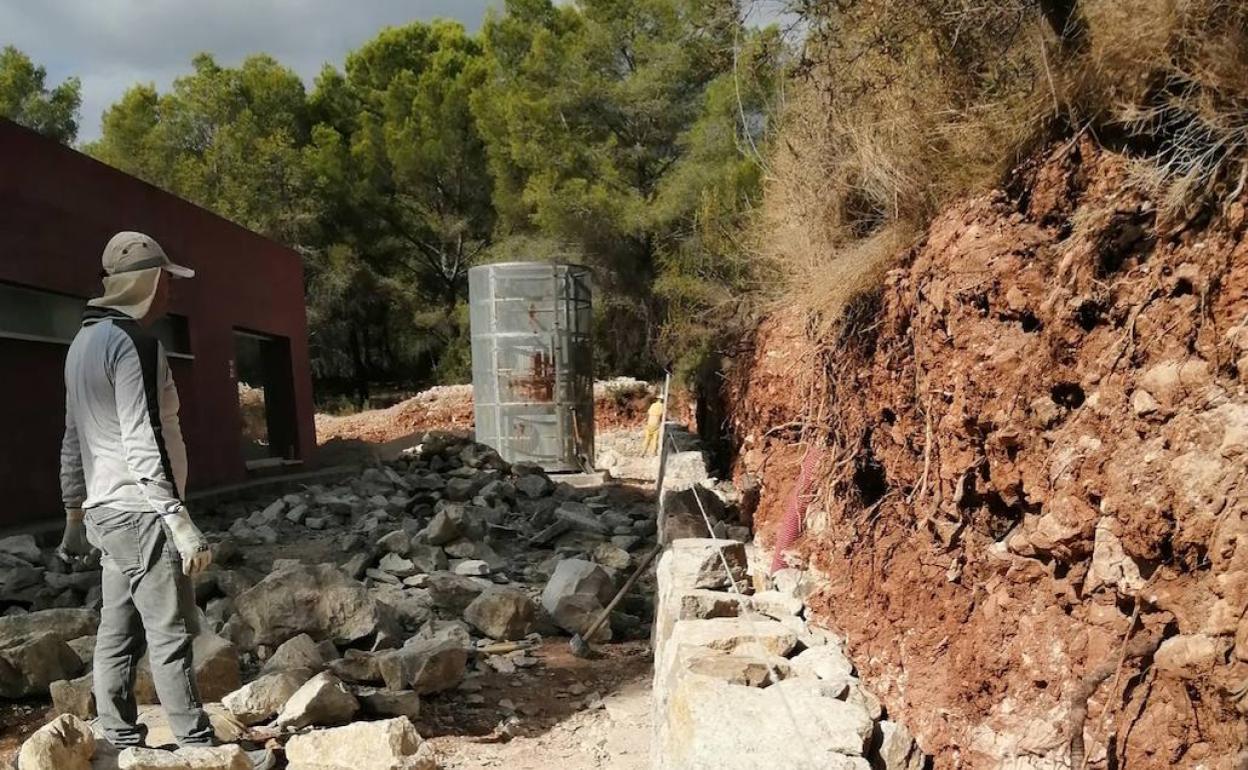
907	105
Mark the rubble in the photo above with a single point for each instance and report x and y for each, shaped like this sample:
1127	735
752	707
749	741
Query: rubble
392	744
438	566
65	743
322	700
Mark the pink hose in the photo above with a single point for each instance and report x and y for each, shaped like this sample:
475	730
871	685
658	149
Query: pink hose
795	508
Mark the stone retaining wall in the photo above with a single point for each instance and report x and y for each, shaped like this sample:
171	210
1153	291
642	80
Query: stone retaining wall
742	681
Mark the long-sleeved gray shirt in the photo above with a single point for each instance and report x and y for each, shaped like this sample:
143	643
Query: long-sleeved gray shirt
123	445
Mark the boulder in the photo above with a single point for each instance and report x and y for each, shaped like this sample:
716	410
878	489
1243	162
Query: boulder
216	669
262	699
460	489
23	547
29	665
472	568
452	592
322	700
397	565
897	749
777	604
63	624
74	696
699	563
397	542
577	591
502	613
424	665
65	743
826	662
392	744
581	518
533	485
390	703
411	606
319	600
444	527
745	670
427	558
229	757
711	723
610	555
763	638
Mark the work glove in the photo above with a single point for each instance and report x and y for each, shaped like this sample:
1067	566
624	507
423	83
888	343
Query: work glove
195	550
74	548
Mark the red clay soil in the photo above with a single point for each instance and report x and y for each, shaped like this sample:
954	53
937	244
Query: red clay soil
1036	437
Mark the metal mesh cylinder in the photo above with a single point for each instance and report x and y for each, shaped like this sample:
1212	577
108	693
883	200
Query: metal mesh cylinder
532	362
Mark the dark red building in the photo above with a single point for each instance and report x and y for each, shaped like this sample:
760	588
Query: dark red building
237	334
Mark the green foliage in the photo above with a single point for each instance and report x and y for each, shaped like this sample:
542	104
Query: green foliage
624	135
609	132
26	99
228	139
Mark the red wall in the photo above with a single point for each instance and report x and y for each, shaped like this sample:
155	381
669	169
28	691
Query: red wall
57	210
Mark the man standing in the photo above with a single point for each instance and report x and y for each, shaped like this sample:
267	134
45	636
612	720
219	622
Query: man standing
654	424
123	471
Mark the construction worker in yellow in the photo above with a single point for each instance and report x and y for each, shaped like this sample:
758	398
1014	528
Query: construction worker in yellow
654	423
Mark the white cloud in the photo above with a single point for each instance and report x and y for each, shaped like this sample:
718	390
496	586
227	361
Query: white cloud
113	44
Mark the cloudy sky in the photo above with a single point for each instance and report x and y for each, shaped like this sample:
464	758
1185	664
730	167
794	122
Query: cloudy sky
113	44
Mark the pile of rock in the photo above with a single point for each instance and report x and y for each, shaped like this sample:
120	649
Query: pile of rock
449	563
742	681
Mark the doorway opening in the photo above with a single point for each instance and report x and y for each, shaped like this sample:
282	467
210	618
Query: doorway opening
266	400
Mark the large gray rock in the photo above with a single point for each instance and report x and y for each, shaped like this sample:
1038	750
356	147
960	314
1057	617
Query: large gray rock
392	744
709	724
534	485
581	518
749	636
424	665
63	624
390	703
427	558
297	652
575	593
23	547
412	606
262	699
699	563
65	743
322	700
319	600
191	758
453	592
502	613
28	666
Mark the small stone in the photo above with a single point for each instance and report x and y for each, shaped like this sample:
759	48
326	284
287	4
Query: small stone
65	743
397	565
297	514
612	556
472	568
262	699
397	542
322	700
316	522
390	703
297	652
